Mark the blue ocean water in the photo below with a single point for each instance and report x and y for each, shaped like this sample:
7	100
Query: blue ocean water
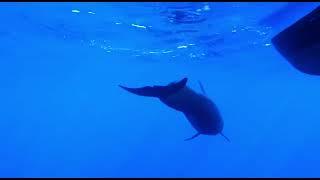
63	114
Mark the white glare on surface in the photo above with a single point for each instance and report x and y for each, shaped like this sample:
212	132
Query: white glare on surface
91	12
75	11
138	26
206	8
164	52
180	47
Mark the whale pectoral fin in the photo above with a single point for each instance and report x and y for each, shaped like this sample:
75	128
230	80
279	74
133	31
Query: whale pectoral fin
202	88
194	136
154	91
225	137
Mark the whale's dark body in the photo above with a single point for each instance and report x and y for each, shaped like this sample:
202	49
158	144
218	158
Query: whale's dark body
201	112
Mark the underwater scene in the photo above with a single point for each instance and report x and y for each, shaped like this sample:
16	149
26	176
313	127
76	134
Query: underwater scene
159	89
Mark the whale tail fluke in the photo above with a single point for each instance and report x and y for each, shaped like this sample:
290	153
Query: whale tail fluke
154	91
157	91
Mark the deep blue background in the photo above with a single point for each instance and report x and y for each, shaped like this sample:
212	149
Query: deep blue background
62	113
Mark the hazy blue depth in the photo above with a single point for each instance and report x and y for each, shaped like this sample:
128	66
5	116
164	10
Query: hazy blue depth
63	115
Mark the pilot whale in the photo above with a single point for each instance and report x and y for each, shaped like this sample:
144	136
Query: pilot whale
200	111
